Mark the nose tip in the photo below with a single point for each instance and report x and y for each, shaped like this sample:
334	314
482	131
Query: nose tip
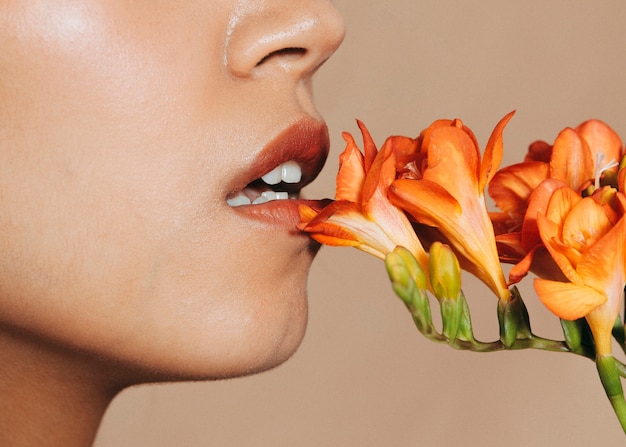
290	36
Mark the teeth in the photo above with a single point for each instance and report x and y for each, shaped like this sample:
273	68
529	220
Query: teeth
288	172
266	196
239	200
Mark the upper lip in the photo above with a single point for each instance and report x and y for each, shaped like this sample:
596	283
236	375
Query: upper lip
306	141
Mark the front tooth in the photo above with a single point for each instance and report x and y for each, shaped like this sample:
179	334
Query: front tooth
291	172
288	172
273	177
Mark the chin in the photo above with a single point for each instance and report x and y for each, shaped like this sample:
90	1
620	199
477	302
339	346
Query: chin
273	321
227	330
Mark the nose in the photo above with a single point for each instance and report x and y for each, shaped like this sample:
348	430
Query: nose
290	36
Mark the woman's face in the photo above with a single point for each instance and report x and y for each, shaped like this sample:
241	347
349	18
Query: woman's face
129	133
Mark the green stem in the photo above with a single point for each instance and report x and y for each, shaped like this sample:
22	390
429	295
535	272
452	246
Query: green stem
619	334
621	368
611	381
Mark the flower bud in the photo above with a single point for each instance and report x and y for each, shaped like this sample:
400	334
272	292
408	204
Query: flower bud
445	278
444	271
514	320
407	277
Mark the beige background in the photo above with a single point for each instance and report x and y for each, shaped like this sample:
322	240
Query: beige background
364	376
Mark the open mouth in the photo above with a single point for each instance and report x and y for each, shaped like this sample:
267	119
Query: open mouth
286	165
281	183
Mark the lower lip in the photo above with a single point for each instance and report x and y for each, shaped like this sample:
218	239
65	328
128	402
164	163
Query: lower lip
279	214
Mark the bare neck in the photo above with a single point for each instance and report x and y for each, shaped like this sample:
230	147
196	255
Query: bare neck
49	397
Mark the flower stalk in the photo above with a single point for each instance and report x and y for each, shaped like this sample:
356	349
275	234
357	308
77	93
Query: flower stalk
611	381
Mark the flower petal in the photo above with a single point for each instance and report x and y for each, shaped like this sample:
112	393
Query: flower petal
549	232
584	225
512	186
537	204
601	139
567	300
369	147
493	153
604	265
377	207
571	161
426	201
342	223
351	175
539	151
453	162
561	203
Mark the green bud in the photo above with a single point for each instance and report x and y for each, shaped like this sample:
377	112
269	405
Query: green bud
444	271
572	332
409	283
445	280
405	273
514	320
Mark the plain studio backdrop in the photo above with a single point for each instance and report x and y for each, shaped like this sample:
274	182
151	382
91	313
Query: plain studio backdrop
364	376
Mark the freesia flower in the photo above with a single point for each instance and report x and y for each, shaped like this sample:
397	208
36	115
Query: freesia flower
362	216
586	237
579	158
442	185
580	155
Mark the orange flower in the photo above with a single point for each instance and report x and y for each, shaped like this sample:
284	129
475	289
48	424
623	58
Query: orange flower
362	216
442	185
578	158
586	237
580	155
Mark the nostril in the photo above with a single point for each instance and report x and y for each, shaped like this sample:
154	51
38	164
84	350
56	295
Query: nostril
281	38
287	54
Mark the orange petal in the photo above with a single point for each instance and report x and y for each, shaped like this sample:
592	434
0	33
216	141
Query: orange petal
537	204
493	153
572	161
549	232
601	138
351	175
566	300
512	186
521	269
540	262
561	203
306	215
381	174
369	147
335	236
509	247
584	225
320	229
453	162
426	201
343	224
377	207
407	153
539	151
604	265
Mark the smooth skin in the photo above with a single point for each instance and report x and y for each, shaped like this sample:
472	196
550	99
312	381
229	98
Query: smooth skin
122	125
